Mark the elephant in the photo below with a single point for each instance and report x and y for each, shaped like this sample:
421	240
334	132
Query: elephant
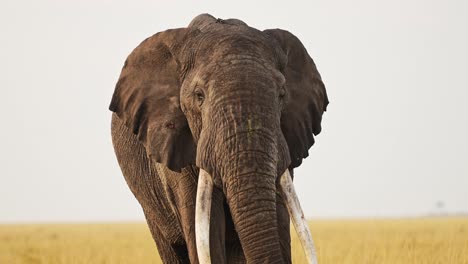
208	123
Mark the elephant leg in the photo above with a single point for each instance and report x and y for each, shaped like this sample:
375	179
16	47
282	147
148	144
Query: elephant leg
218	227
235	254
169	252
144	182
182	193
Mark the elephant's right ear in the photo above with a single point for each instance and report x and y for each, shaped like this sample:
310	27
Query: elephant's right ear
302	115
146	99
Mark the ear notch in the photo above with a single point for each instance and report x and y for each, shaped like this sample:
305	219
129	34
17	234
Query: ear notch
302	114
146	98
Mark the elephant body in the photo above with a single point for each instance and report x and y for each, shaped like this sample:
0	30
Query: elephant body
168	202
241	104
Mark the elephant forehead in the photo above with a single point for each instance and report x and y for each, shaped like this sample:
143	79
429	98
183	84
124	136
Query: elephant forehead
246	61
201	21
217	40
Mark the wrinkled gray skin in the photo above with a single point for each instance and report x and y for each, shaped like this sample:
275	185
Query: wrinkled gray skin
240	103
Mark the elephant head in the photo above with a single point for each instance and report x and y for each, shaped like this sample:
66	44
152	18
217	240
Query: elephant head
242	105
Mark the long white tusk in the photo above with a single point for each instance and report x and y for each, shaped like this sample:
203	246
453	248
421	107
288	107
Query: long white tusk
202	216
297	217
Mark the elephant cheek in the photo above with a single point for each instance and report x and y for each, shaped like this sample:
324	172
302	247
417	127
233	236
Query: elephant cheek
206	157
284	159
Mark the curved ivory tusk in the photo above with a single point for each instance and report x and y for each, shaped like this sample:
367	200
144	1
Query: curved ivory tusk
202	216
297	217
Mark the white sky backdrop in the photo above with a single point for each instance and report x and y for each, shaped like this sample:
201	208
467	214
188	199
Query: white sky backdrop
394	141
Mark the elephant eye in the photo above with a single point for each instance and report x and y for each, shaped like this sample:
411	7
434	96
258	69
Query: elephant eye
200	96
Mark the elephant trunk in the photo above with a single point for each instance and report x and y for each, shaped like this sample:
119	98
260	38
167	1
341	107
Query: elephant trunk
251	196
250	189
241	152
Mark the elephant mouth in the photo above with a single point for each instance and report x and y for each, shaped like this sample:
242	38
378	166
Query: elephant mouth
202	216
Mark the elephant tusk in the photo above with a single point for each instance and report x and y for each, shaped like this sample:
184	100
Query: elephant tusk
202	216
297	217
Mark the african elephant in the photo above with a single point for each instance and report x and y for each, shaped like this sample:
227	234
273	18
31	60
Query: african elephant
208	123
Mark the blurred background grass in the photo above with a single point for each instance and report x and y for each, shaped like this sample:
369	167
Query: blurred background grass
422	240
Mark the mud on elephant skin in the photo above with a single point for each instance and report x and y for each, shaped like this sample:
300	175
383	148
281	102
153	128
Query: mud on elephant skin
229	110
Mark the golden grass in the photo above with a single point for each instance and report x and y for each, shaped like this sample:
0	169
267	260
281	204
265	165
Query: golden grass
427	240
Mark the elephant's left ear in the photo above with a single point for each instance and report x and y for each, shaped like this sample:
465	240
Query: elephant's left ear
302	115
146	99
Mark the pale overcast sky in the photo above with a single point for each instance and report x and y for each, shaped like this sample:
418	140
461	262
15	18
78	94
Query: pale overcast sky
394	141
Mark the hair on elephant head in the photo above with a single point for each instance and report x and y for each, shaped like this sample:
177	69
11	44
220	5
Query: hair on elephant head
240	104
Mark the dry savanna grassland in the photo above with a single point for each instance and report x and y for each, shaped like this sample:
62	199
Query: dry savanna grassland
423	240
